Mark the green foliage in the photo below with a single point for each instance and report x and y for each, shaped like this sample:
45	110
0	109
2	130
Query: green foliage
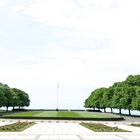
106	99
136	99
12	97
23	98
2	96
121	95
133	80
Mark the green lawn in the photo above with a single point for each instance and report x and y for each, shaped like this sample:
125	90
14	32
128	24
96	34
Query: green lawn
66	114
26	114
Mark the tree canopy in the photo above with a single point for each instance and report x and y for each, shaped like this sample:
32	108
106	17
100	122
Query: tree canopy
13	97
121	95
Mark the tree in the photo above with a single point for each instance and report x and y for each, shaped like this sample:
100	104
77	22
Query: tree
117	98
15	99
23	98
121	95
94	100
136	99
8	96
128	95
133	80
2	97
12	97
117	95
106	101
88	102
102	92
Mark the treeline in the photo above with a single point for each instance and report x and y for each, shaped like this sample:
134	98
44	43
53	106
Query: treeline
121	95
13	97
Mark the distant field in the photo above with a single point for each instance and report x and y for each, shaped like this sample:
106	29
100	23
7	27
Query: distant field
62	114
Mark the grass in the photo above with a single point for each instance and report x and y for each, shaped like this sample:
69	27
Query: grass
66	114
16	127
97	127
63	115
22	114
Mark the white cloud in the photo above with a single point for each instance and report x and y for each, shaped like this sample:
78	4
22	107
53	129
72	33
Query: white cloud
65	13
3	2
95	19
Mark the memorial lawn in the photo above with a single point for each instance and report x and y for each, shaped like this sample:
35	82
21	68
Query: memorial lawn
61	114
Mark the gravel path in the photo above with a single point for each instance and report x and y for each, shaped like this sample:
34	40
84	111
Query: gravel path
62	130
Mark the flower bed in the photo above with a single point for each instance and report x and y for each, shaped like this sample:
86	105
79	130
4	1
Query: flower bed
138	125
16	127
98	127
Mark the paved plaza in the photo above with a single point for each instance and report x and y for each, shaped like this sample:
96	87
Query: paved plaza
67	130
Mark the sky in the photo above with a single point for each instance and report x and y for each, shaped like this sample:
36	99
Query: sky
79	44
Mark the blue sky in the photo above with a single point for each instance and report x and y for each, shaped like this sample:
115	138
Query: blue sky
80	44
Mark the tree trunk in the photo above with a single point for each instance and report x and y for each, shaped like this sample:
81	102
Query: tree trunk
6	108
104	109
13	107
111	110
129	110
120	110
19	107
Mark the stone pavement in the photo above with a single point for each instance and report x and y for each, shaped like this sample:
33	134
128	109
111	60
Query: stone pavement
5	123
59	130
126	127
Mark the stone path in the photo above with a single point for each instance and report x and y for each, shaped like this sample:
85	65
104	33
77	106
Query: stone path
5	123
69	131
58	129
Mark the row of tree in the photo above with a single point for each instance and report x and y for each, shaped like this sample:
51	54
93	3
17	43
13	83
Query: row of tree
13	97
121	95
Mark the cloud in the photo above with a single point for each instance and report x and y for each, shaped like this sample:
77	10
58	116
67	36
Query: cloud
65	13
93	20
72	26
3	2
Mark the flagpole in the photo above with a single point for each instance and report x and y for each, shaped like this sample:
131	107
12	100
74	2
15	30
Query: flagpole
57	96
